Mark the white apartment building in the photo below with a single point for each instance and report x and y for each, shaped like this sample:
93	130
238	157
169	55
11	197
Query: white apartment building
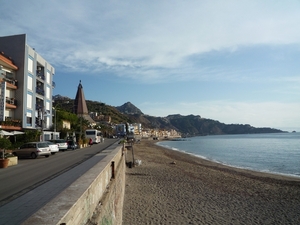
26	85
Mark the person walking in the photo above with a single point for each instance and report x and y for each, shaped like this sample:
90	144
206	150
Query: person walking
90	142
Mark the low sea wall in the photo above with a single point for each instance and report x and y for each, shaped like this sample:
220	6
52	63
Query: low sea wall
95	198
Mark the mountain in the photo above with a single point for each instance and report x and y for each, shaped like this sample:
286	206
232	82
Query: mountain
129	108
191	125
195	125
60	97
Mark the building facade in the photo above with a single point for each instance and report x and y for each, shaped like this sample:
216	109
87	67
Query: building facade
28	84
8	87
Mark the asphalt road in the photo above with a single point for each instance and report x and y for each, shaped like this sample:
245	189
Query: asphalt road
30	173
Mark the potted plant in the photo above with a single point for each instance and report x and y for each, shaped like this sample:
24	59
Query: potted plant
4	144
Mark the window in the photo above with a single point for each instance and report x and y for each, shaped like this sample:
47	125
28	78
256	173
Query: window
90	132
48	76
29	118
29	82
32	146
48	91
29	121
30	64
29	100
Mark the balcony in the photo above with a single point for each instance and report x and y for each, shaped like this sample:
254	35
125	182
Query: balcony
11	103
40	73
40	91
11	124
9	79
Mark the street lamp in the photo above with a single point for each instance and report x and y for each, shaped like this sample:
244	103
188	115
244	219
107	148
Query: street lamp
54	137
42	115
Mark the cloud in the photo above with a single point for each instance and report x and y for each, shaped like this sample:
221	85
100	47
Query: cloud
152	41
157	34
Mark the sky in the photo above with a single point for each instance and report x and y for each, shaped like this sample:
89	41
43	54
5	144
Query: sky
235	61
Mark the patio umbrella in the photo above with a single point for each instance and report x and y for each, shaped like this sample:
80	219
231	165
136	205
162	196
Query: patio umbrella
5	133
15	132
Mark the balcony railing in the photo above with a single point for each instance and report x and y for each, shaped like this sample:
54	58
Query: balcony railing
11	101
9	122
40	91
40	74
8	77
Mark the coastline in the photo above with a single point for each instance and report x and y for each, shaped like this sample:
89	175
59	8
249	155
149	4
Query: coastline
172	187
250	170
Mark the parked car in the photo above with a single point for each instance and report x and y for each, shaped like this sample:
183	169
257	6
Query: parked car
62	144
53	147
33	150
72	145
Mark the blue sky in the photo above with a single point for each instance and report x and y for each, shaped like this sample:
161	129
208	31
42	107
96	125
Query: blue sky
232	61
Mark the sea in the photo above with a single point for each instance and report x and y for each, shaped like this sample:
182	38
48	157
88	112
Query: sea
276	153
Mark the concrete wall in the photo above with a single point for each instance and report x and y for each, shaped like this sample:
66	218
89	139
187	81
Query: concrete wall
95	198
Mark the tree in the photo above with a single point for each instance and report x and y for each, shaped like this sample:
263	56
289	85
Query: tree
4	144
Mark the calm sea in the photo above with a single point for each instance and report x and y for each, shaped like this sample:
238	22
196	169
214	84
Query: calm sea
272	153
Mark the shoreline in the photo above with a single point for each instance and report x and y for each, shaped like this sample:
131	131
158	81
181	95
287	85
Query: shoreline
172	187
261	173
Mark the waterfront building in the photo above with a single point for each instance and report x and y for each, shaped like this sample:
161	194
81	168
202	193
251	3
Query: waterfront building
137	127
8	87
28	82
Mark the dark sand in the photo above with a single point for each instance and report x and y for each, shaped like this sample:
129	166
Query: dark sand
196	191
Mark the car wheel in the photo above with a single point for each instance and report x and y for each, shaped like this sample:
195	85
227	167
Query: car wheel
47	156
33	155
52	153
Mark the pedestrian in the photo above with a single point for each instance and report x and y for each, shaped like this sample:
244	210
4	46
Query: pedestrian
90	142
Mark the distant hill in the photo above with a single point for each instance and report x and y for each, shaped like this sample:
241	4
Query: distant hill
195	125
60	97
129	108
191	125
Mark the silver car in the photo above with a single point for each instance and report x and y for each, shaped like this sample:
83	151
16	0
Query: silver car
33	150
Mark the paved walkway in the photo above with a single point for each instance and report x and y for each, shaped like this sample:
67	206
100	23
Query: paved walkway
20	209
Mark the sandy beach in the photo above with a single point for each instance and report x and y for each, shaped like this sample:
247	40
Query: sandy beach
171	187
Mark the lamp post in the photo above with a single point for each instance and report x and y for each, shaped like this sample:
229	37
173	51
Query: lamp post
42	117
55	108
54	123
